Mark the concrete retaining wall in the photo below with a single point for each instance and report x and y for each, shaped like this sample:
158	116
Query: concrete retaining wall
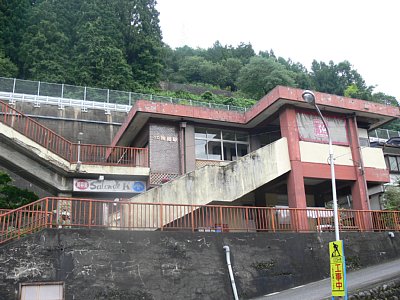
98	127
109	264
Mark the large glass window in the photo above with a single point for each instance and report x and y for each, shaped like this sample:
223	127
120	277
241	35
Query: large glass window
214	144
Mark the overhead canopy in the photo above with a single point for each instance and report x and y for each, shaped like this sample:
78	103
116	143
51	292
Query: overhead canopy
370	115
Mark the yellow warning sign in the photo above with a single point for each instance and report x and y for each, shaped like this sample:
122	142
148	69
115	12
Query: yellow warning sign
338	268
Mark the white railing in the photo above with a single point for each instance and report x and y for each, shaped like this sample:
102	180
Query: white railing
38	92
383	135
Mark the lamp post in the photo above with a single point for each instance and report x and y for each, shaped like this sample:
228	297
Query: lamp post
309	97
78	162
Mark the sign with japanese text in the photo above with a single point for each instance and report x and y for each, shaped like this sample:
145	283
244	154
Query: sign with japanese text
170	139
319	128
338	268
111	186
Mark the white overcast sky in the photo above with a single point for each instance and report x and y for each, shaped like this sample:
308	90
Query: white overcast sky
364	32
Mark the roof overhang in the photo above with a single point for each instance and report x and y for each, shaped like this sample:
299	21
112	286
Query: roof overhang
372	115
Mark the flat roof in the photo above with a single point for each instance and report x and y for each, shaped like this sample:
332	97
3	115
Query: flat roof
370	113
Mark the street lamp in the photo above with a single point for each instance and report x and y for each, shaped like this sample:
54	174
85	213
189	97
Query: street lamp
309	97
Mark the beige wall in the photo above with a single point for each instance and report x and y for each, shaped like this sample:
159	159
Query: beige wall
319	153
373	158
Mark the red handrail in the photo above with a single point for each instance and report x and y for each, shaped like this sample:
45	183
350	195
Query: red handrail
89	153
88	213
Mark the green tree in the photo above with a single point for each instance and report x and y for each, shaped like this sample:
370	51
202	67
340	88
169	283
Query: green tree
217	53
335	79
261	75
233	66
143	40
213	73
14	16
44	50
7	67
99	60
12	197
190	67
384	99
244	52
392	198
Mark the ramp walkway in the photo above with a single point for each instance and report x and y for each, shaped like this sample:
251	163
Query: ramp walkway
48	159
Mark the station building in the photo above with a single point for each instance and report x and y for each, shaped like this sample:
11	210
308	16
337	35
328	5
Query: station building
183	140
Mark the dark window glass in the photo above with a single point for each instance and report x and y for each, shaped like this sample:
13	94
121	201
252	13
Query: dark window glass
214	150
201	149
242	150
229	151
213	134
393	165
228	136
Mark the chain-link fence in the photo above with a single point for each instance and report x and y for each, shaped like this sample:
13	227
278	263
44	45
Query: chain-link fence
81	93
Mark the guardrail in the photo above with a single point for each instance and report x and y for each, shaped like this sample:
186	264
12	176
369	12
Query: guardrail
88	213
62	95
72	152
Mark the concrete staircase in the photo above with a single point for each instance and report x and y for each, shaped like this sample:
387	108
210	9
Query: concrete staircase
225	182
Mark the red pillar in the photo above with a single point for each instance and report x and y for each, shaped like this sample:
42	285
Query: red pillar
359	188
295	183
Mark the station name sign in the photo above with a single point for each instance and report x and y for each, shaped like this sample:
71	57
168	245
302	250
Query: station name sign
108	186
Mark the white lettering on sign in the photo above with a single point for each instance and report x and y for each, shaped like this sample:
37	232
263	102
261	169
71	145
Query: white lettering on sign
170	139
104	186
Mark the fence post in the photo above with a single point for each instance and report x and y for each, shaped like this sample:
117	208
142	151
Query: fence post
192	217
396	223
46	212
161	217
19	223
247	219
273	212
14	83
221	219
90	213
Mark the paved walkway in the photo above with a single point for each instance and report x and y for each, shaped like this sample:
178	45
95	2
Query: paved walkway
359	279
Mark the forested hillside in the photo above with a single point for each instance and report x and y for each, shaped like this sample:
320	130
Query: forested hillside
118	45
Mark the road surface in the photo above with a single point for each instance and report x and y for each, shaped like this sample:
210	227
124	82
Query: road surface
359	279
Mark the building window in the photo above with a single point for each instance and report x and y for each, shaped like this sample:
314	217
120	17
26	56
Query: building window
312	129
214	144
42	291
393	163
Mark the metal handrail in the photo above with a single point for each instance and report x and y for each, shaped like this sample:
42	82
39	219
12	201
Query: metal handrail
108	214
87	97
88	153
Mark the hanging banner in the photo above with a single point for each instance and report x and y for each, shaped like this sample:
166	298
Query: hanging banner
108	186
338	268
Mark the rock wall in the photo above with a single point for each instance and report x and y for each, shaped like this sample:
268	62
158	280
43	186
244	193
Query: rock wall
109	264
387	291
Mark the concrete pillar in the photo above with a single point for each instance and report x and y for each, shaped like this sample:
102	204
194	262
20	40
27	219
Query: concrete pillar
190	148
64	210
295	182
358	189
